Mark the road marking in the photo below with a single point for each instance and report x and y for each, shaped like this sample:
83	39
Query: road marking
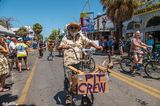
25	90
136	82
150	90
137	86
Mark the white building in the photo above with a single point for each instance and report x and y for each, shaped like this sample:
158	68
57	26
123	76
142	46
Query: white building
29	28
103	26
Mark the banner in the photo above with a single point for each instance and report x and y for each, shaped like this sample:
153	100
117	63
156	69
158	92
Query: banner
87	21
92	83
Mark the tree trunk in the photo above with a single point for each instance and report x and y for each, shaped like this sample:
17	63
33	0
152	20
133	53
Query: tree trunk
118	34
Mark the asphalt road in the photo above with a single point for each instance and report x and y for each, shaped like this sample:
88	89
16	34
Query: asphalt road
43	86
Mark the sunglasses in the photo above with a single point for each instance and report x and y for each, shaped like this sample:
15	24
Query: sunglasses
73	28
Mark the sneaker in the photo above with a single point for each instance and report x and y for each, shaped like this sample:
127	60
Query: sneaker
68	100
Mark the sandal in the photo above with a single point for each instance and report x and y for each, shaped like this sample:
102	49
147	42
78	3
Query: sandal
28	69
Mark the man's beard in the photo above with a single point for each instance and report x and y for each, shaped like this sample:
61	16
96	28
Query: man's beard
74	33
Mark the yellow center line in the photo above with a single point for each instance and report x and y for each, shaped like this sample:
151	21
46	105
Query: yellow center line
137	86
136	82
150	90
25	90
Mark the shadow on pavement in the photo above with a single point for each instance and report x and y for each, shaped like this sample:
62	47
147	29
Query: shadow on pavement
7	98
126	73
58	55
60	98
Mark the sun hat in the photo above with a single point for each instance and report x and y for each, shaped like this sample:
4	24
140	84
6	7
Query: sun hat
74	24
20	39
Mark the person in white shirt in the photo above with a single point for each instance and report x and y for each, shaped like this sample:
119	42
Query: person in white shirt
12	53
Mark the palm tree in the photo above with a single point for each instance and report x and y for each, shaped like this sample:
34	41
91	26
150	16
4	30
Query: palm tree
22	32
119	11
37	28
54	34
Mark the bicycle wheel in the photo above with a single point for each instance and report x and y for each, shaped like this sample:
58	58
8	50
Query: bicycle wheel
89	65
87	100
152	69
125	64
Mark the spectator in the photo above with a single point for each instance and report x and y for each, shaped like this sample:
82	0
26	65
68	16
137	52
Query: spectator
8	40
40	48
22	53
106	44
150	42
4	68
50	45
121	45
12	53
111	45
34	44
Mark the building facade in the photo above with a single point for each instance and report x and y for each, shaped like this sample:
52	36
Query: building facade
103	26
146	19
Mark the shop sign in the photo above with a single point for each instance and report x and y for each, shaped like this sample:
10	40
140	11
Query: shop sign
151	8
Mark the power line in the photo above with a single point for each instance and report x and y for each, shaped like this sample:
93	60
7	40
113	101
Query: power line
86	3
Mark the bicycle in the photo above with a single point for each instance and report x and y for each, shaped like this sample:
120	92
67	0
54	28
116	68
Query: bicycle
149	65
86	61
87	64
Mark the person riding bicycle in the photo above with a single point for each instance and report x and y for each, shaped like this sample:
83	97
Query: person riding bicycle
76	40
136	46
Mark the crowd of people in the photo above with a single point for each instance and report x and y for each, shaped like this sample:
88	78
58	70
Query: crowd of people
108	44
12	52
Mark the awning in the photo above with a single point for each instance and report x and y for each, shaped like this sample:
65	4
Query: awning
6	31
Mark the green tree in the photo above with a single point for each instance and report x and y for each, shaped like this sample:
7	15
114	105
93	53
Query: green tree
119	11
54	34
22	32
37	28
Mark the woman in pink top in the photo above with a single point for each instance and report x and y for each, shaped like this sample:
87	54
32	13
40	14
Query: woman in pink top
136	46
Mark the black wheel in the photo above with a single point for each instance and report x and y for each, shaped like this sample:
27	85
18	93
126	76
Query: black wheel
69	100
125	64
152	69
86	101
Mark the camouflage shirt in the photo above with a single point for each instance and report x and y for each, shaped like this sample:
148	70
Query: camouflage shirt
69	55
4	68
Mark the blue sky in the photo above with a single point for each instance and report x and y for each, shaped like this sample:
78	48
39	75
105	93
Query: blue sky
49	13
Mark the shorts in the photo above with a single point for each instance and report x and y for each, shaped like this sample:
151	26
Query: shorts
68	72
20	58
138	54
12	56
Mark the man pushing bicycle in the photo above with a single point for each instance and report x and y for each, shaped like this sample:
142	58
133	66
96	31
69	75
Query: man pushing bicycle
76	40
